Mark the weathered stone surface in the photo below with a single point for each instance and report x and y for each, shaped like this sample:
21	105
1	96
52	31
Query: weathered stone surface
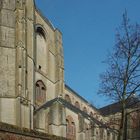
8	112
8	4
11	132
7	18
30	9
7	38
30	39
7	72
25	118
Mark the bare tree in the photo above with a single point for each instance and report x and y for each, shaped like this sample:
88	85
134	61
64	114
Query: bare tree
121	81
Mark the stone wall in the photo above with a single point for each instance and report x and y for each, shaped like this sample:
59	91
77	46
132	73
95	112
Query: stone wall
11	132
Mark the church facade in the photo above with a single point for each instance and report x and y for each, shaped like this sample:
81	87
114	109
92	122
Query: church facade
33	93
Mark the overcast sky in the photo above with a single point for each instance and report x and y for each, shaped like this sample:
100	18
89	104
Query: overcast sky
88	28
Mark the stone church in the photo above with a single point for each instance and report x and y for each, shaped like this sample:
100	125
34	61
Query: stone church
33	93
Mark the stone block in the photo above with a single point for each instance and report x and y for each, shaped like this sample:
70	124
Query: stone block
30	9
8	112
25	116
7	37
8	4
7	72
7	18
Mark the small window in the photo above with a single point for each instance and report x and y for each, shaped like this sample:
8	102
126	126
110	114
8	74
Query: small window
77	104
85	109
40	95
67	98
39	67
91	114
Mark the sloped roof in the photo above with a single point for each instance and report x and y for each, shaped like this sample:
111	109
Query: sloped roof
74	109
116	107
110	109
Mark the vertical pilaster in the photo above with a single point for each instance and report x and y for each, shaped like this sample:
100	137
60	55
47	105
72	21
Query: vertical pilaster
59	64
93	133
30	43
25	61
20	48
20	57
81	133
105	135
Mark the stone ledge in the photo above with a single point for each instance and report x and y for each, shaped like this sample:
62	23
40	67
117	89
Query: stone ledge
10	130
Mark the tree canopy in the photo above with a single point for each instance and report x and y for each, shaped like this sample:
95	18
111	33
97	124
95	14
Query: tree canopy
122	78
121	81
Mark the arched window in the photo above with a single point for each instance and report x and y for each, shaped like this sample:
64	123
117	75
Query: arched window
41	50
67	98
40	95
85	109
70	128
77	104
91	114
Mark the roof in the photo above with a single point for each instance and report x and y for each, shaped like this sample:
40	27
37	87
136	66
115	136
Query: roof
74	109
116	107
110	109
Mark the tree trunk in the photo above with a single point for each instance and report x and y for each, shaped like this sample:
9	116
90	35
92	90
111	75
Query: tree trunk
122	125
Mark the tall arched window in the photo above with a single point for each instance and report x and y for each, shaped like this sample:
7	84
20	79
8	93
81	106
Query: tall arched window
40	95
41	50
70	128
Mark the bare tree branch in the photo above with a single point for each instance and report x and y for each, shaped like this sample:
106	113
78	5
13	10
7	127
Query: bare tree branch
121	81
